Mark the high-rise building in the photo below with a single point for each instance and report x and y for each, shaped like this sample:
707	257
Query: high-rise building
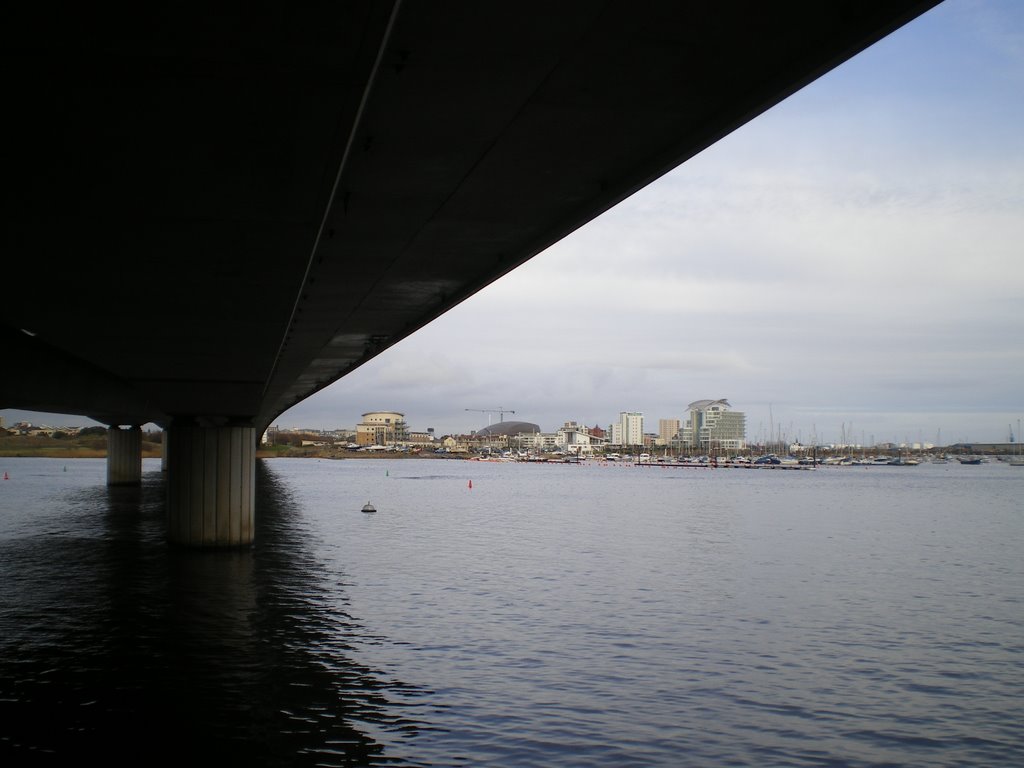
668	429
711	426
629	430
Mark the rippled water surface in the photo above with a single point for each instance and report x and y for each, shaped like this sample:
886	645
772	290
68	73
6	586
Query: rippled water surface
545	616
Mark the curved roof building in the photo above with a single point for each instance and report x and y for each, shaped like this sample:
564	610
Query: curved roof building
703	405
509	428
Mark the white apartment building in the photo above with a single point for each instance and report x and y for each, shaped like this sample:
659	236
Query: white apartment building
574	439
628	430
544	442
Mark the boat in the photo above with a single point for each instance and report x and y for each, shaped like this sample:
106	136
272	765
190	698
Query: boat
899	461
1017	460
368	508
969	459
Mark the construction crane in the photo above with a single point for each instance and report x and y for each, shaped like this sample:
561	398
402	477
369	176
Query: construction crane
489	411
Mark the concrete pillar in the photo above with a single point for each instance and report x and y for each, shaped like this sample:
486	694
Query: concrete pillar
211	485
164	438
124	456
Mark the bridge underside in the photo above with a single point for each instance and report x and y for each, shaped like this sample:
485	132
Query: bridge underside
213	218
220	216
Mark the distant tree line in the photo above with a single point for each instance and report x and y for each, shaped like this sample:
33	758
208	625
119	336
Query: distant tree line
296	438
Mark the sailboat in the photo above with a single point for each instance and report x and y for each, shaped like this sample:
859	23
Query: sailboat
1017	460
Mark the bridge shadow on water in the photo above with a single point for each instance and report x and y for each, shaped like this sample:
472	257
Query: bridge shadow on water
115	646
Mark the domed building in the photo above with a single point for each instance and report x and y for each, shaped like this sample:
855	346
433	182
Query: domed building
381	428
508	429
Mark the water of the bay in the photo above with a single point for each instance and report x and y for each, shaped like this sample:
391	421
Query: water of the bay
595	615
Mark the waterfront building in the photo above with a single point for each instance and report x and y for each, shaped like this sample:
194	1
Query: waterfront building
455	444
509	435
629	430
382	428
508	428
712	425
574	439
539	442
421	438
668	429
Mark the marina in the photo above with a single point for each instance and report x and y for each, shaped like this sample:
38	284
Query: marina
726	465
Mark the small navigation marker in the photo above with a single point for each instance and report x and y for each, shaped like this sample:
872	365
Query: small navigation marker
368	507
470	483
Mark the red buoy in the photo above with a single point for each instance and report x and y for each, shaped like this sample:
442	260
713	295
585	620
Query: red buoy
470	483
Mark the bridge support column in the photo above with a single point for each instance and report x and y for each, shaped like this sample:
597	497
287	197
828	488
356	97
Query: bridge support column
124	456
211	485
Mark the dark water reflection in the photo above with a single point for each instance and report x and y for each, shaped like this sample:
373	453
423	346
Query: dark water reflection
116	647
543	616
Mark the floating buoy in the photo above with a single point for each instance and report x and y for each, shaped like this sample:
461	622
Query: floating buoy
6	477
368	507
387	473
470	483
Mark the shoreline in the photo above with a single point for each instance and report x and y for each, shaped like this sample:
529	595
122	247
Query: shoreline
54	453
99	453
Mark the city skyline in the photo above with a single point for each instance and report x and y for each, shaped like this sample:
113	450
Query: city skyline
847	262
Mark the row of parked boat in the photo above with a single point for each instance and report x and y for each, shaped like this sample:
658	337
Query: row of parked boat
871	461
743	461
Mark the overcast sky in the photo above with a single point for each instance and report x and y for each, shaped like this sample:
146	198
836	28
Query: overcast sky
852	259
